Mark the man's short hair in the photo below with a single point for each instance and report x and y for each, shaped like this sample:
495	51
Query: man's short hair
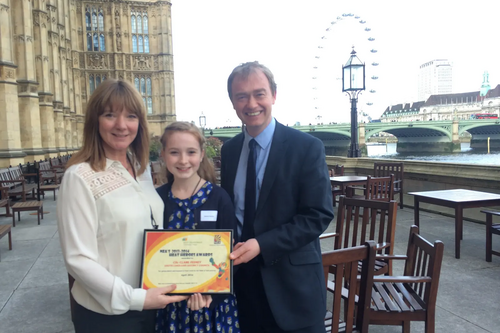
245	70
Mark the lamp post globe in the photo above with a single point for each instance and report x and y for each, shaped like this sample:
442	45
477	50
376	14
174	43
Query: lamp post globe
353	82
203	122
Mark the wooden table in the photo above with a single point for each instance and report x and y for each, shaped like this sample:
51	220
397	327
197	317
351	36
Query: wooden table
457	199
45	188
344	181
26	206
6	230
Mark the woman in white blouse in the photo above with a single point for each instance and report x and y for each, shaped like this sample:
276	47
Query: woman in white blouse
106	200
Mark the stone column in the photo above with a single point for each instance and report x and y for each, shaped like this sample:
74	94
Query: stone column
455	138
68	136
77	24
166	107
29	112
63	32
362	139
79	120
40	32
66	109
10	134
55	78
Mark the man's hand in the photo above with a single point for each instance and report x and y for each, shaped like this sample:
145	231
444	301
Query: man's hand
156	298
198	301
244	252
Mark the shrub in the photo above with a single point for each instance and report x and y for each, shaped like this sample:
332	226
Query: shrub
154	148
213	147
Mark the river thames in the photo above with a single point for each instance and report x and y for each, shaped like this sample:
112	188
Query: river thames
467	155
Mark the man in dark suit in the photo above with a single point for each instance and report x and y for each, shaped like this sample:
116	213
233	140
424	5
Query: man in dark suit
282	174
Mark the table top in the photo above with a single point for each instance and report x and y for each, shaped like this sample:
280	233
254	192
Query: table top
49	187
457	195
348	179
27	204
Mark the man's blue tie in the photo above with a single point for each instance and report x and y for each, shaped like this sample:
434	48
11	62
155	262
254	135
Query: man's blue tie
250	194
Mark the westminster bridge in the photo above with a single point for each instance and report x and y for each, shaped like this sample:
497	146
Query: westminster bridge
418	136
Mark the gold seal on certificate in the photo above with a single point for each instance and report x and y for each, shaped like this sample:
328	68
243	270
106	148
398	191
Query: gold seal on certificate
197	261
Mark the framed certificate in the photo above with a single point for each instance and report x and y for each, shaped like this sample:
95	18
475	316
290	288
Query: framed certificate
197	261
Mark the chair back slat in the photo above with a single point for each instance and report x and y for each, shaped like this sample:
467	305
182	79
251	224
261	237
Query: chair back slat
6	177
16	173
379	188
424	259
361	220
337	170
343	265
382	169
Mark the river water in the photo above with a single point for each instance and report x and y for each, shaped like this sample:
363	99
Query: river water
467	155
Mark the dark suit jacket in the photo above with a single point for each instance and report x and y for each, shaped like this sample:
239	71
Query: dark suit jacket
294	208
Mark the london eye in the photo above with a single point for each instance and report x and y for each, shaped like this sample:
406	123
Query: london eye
334	46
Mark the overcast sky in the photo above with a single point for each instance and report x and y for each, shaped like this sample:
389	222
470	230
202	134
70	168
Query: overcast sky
210	38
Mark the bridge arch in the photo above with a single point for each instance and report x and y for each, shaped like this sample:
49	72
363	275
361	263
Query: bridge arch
413	130
477	128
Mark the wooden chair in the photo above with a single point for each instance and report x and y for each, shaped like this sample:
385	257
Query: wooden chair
361	220
64	159
5	201
376	188
398	300
397	169
56	164
48	174
491	228
337	170
343	265
17	183
6	229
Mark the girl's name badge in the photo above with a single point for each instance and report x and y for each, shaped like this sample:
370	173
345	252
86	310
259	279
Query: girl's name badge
208	215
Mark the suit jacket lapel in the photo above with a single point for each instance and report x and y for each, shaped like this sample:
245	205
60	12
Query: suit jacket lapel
276	157
232	163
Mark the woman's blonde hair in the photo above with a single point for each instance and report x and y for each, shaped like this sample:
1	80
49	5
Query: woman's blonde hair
115	95
206	170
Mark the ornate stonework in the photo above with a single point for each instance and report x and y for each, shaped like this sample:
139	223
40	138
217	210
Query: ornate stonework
96	61
58	77
142	62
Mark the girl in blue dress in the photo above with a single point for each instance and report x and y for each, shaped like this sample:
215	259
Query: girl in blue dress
190	190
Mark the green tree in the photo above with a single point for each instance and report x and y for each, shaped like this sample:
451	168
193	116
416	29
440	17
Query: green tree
154	148
213	146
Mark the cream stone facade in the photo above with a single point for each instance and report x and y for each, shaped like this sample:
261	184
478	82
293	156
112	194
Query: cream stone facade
53	53
462	106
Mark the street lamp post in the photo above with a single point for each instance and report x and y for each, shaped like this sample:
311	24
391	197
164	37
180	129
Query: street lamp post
353	82
203	122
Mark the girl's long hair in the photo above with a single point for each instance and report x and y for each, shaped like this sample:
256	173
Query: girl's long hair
206	170
115	95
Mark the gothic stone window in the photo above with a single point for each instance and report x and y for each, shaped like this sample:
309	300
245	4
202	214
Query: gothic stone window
95	80
143	85
94	22
140	31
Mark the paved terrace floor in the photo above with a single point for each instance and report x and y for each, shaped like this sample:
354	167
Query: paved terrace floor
34	289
